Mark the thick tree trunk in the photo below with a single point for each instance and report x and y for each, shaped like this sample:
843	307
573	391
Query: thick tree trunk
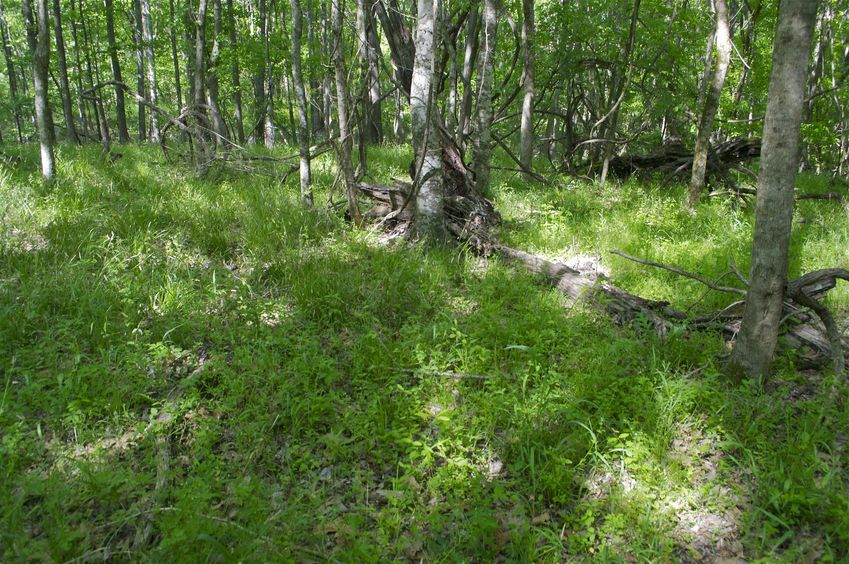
147	38
526	140
753	352
483	142
430	193
235	75
345	141
303	132
712	97
123	134
38	37
10	70
64	84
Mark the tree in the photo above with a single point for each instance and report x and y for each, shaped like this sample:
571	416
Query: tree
10	70
722	42
430	192
753	352
303	131
147	42
526	140
123	134
64	85
38	37
483	145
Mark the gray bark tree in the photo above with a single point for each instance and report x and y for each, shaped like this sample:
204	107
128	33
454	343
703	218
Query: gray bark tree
483	142
141	82
150	67
345	141
10	70
430	189
781	150
64	84
123	134
235	75
303	131
174	58
722	43
222	137
526	136
38	37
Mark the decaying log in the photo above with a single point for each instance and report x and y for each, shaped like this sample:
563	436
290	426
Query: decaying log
675	160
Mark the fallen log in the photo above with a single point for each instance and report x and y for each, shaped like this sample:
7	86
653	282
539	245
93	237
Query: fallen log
675	160
470	218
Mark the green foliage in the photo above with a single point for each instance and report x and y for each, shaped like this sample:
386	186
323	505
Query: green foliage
294	376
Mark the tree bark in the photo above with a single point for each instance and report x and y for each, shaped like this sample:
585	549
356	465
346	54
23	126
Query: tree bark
713	94
10	70
202	149
526	140
172	29
141	82
147	39
268	87
345	141
430	193
373	131
470	54
123	134
303	132
483	143
64	84
235	75
753	352
38	37
222	136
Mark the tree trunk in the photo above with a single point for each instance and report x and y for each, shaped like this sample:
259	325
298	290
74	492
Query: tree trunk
430	194
222	137
371	111
712	97
10	69
38	37
526	141
483	144
344	144
123	134
303	132
203	149
172	31
96	104
64	85
470	54
268	87
147	38
140	73
234	75
753	352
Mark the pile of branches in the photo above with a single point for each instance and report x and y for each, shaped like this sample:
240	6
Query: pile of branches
676	161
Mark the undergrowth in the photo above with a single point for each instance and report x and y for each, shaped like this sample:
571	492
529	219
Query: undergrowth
203	369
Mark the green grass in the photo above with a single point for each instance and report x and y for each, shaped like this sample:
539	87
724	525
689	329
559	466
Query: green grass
202	369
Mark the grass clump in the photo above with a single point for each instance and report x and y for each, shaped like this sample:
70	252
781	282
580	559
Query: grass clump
205	369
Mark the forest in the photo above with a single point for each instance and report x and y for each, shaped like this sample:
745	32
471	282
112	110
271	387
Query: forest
424	280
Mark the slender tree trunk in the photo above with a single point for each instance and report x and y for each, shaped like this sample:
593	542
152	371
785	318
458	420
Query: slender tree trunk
123	134
430	195
483	145
222	137
235	75
203	150
147	38
526	140
268	92
344	144
753	352
10	69
303	132
38	37
470	54
64	85
712	97
172	29
371	109
81	106
97	103
327	83
141	82
617	93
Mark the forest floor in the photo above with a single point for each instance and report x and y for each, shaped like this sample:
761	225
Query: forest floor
204	370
